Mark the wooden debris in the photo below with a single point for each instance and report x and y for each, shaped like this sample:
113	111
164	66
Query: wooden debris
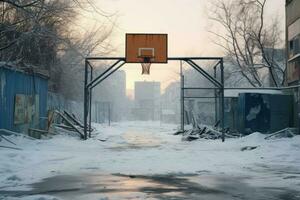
66	127
70	123
217	123
178	132
7	140
284	133
248	148
71	117
205	132
7	147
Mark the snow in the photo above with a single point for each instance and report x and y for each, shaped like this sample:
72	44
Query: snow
147	148
236	92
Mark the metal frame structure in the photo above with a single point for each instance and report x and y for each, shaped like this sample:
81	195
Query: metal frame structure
90	83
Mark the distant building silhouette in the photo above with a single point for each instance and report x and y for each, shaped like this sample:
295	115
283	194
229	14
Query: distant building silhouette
147	100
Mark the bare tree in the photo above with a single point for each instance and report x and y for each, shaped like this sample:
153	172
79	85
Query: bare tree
248	39
39	34
71	70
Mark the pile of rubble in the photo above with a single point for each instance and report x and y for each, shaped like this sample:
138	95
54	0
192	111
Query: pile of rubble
205	132
213	133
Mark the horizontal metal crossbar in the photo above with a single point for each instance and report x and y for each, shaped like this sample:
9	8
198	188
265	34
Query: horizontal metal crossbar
169	58
201	97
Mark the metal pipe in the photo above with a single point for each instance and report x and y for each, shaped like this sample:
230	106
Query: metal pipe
90	116
106	58
182	103
85	108
204	73
243	88
199	97
200	88
169	58
181	98
89	64
216	95
215	67
99	81
207	74
222	102
194	58
108	69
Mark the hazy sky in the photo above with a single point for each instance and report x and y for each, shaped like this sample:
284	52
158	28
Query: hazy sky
185	22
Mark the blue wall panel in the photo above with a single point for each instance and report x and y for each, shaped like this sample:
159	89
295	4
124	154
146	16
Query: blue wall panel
14	82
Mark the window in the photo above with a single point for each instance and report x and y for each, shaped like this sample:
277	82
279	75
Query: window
296	45
291	45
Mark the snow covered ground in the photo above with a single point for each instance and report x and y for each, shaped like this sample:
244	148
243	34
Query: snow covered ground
148	148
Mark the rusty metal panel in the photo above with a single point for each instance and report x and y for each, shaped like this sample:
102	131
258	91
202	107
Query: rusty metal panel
26	109
20	106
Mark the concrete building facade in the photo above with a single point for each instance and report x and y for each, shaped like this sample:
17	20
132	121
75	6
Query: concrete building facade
293	41
147	105
293	52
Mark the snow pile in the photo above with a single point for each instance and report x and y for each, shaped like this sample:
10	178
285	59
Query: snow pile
145	148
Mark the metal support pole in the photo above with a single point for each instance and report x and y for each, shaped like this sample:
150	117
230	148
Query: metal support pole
182	102
220	87
200	88
216	98
109	113
222	101
85	106
90	96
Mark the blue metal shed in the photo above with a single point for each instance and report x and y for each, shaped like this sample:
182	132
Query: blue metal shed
264	113
23	100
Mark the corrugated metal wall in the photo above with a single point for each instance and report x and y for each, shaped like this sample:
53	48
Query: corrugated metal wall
14	82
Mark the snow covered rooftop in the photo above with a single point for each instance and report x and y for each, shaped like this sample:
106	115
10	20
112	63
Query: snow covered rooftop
235	92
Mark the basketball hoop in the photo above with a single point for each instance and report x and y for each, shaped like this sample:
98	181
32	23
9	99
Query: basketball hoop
146	49
146	64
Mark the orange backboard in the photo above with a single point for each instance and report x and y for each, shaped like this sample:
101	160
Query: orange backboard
140	46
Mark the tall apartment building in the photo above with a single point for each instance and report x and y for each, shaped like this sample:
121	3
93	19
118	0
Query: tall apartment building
292	8
293	41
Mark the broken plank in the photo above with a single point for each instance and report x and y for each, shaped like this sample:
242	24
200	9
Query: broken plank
70	123
76	121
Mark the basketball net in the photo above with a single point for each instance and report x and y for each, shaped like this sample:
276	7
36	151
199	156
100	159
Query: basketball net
146	64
